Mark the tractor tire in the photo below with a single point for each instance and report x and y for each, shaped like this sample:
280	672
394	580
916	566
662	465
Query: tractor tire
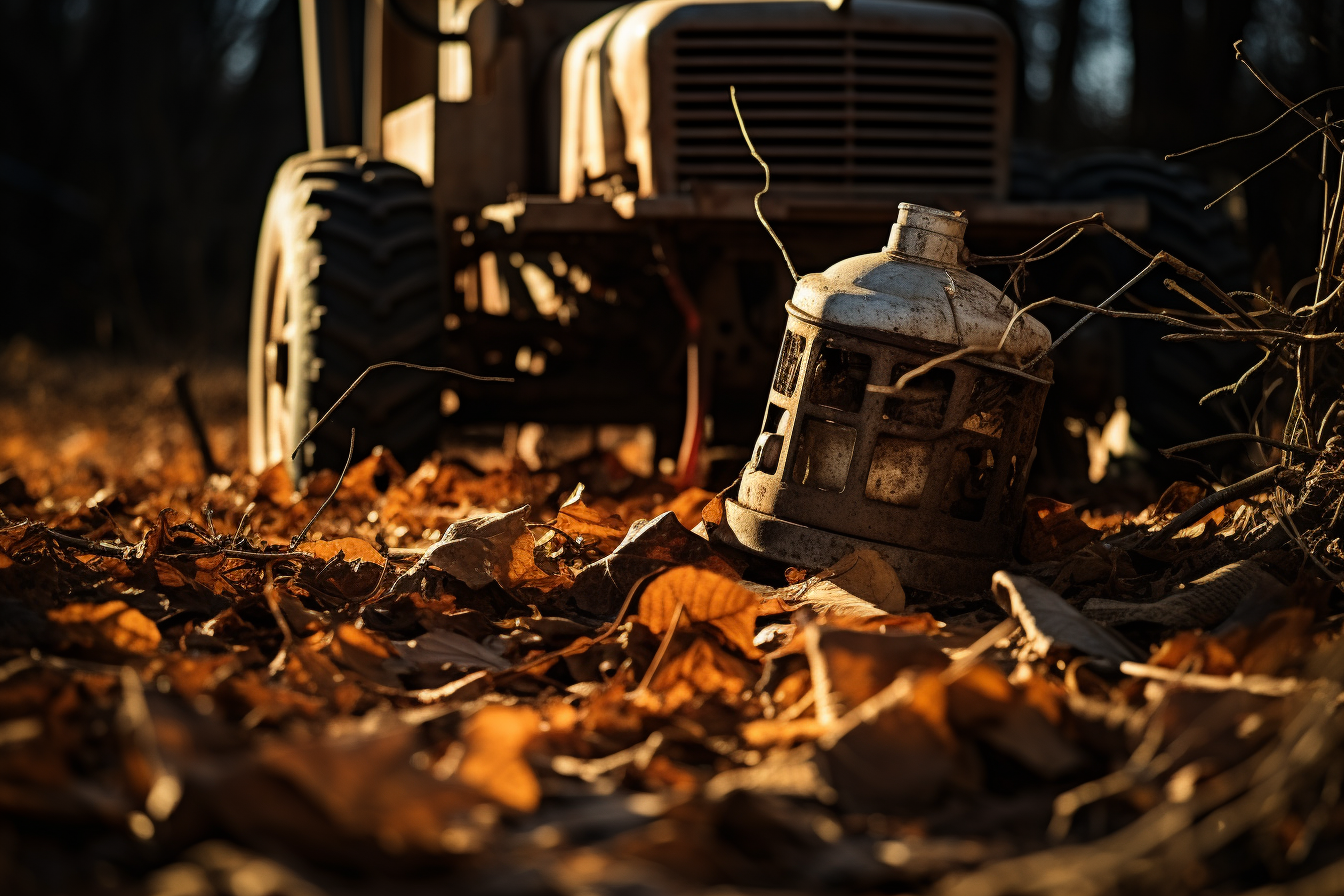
1162	382
348	274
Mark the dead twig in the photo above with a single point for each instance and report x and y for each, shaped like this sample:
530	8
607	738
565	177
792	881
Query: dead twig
732	94
182	388
821	674
370	369
303	533
660	653
1238	437
1265	685
1266	478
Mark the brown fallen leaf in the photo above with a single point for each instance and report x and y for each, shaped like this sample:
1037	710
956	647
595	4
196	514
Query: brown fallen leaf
107	627
440	649
860	584
368	653
1196	652
1051	530
701	669
368	786
982	703
1281	639
705	597
576	518
496	738
495	547
353	549
687	506
1048	619
1178	498
905	758
276	486
863	663
361	481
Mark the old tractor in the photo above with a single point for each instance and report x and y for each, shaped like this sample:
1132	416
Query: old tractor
558	190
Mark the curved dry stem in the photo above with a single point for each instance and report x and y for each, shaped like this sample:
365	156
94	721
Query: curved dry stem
1289	111
732	93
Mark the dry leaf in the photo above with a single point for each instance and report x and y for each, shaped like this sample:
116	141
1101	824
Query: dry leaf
577	518
496	737
705	597
353	549
441	649
902	760
700	669
863	663
649	546
496	547
1051	530
1178	498
107	626
1049	619
367	785
982	703
276	486
687	506
361	481
368	653
1278	641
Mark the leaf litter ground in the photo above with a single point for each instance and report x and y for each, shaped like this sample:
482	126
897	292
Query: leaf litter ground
502	682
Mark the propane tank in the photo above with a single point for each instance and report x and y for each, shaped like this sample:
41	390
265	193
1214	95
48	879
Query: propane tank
901	418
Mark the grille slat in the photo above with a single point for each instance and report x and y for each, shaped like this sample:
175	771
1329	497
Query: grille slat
837	107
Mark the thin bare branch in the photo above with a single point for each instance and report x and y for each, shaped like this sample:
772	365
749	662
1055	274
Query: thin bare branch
732	93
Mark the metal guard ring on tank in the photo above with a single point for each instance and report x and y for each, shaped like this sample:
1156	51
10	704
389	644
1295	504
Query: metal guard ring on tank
900	341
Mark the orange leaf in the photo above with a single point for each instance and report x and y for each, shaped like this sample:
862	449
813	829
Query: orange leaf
702	668
494	765
353	548
577	518
706	597
276	486
111	625
687	506
365	652
1052	531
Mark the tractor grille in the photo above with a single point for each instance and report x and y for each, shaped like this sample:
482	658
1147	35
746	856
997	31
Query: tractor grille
837	108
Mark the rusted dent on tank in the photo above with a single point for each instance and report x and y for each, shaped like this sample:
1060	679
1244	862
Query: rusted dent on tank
867	444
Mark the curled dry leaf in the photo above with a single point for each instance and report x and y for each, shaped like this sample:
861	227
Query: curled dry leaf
650	545
863	574
705	597
276	486
578	519
362	480
107	627
496	547
859	584
982	702
1050	620
687	506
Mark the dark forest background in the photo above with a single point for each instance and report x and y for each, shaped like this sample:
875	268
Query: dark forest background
138	139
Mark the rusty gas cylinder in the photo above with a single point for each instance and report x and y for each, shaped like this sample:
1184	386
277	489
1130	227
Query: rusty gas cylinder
875	438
